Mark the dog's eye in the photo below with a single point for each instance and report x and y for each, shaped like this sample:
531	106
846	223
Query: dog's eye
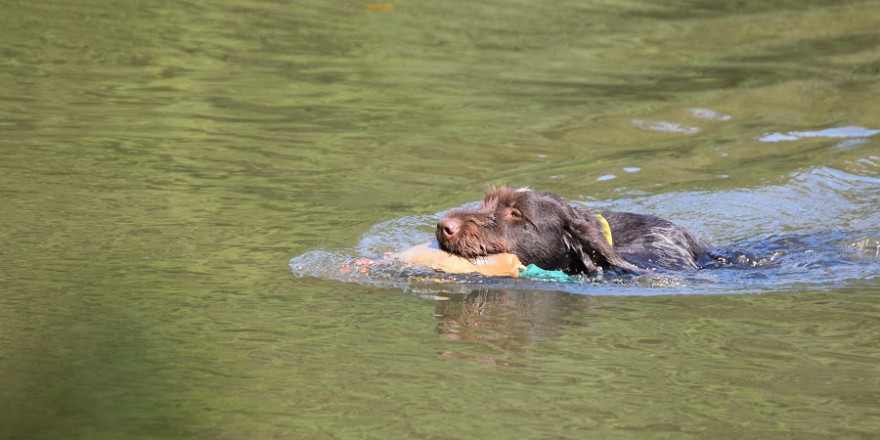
515	214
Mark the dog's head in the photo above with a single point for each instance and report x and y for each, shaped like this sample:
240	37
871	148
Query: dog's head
540	228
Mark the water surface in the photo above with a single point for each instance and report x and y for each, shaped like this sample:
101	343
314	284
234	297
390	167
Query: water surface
163	161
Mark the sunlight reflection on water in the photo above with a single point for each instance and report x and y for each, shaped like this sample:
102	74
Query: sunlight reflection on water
665	126
839	132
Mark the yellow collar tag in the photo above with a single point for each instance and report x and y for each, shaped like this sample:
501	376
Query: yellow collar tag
606	229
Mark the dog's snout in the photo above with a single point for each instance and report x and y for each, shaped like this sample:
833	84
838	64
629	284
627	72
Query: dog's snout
448	227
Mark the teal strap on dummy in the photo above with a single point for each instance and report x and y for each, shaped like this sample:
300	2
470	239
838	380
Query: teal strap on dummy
532	272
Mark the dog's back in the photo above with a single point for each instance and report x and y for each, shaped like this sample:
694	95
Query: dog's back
652	242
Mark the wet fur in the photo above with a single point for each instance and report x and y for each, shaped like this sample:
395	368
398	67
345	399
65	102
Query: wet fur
541	228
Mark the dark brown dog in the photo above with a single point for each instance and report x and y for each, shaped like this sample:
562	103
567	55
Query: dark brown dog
542	229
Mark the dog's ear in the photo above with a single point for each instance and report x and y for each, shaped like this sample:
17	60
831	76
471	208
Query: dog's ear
585	238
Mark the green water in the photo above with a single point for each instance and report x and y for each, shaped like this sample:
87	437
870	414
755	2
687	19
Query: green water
160	163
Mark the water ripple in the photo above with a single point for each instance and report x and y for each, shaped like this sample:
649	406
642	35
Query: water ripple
816	231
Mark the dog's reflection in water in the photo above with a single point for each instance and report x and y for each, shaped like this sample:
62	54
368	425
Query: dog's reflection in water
507	320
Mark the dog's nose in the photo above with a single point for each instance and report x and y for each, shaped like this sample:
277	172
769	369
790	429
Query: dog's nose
448	227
